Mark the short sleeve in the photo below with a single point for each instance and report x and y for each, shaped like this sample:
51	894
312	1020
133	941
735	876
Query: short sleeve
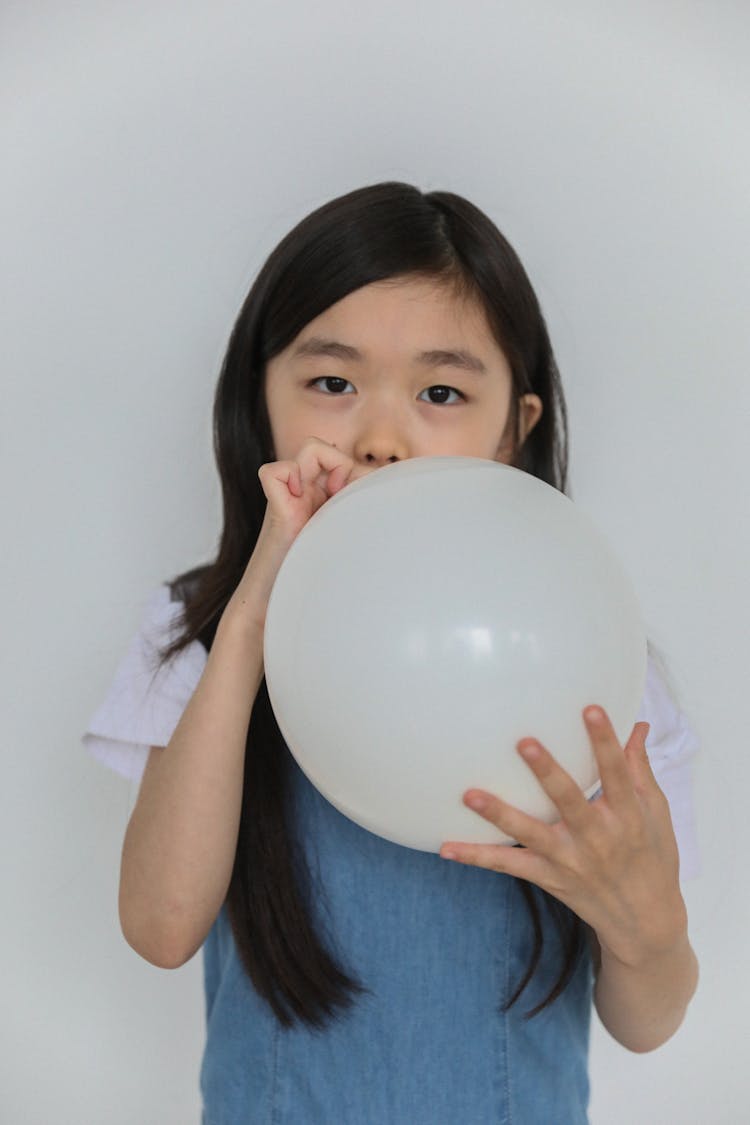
671	745
146	698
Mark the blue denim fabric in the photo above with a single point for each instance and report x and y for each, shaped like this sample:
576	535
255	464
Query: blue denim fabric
441	946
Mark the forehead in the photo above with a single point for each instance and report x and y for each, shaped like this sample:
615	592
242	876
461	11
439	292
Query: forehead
397	314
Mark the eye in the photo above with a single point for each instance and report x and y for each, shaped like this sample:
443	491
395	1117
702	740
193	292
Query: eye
335	387
443	390
329	379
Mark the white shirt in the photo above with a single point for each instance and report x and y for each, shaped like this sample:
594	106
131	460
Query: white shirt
145	701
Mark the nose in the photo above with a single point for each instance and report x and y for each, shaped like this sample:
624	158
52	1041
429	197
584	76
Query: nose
373	450
380	431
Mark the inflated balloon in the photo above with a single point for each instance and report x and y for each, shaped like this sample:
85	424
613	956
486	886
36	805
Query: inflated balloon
429	616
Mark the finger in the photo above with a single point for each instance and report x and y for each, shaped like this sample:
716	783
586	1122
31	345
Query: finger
614	774
278	478
636	752
317	459
559	786
503	858
295	481
527	830
635	747
338	477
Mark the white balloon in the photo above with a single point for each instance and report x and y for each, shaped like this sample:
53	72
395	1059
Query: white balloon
429	616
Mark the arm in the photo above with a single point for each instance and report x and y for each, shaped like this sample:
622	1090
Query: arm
642	1004
181	839
615	863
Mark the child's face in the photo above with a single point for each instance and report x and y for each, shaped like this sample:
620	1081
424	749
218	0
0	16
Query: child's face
391	403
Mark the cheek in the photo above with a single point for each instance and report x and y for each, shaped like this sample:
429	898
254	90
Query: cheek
284	421
291	430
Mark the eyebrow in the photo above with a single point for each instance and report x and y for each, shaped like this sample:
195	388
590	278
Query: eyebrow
438	357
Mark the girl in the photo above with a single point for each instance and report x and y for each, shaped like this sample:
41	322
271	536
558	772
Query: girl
349	979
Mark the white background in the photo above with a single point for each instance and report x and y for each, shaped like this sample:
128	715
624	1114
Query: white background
154	155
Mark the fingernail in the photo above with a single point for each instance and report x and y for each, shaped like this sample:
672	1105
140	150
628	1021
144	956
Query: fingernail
476	802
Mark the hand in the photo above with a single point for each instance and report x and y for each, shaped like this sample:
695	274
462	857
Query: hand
294	492
296	489
613	861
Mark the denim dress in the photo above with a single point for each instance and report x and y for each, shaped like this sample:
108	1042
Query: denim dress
440	946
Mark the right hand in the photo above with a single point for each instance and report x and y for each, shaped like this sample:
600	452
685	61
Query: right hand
294	490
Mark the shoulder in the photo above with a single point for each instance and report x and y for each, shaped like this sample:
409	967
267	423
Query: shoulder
671	737
161	624
147	694
671	745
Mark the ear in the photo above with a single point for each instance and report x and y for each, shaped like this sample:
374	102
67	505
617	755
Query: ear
530	410
529	413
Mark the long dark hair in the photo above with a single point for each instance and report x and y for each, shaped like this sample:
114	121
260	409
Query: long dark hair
387	230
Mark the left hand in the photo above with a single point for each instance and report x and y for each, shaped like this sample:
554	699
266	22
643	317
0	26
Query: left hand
613	861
